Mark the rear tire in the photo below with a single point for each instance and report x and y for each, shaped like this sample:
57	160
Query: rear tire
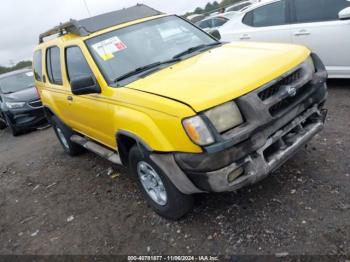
159	191
64	133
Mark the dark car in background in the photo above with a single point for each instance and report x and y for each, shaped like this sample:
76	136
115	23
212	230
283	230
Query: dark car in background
20	105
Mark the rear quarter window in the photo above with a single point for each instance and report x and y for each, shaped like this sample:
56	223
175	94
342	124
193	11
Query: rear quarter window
37	65
53	65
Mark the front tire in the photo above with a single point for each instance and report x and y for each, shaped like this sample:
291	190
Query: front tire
3	124
64	134
159	191
14	130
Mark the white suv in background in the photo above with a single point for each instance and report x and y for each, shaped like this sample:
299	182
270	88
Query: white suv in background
321	25
239	6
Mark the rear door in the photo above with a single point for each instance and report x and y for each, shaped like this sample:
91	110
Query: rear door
269	23
55	91
317	26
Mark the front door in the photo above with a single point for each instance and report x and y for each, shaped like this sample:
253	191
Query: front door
89	114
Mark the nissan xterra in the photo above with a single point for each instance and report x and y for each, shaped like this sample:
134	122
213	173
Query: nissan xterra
183	111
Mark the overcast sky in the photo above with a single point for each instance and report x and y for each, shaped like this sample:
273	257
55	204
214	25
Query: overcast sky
21	21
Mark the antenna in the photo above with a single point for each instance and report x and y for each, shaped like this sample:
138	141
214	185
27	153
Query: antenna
87	7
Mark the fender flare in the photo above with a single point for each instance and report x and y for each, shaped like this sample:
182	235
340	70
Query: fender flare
125	140
165	162
49	113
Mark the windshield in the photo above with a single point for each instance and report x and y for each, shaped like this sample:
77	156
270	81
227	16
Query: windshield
124	50
15	83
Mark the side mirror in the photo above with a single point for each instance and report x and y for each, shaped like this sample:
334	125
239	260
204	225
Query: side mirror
344	14
84	85
215	33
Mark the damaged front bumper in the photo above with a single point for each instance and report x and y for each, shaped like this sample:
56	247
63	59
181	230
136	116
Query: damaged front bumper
257	165
278	123
250	169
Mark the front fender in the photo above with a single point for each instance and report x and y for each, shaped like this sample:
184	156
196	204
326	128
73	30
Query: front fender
157	131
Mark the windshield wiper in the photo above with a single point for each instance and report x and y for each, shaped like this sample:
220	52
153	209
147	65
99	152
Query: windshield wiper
195	48
145	68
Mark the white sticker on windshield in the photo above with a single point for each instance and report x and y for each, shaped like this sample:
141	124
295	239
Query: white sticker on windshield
29	73
106	48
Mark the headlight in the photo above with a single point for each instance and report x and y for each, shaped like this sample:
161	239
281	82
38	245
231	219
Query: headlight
309	63
15	105
197	130
225	117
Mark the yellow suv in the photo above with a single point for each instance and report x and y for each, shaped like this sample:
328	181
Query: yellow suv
185	112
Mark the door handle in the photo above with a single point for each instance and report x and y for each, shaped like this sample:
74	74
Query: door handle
244	37
70	98
302	32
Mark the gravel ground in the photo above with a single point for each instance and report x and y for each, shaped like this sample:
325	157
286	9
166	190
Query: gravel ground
51	203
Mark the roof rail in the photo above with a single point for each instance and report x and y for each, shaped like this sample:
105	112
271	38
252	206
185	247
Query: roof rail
91	25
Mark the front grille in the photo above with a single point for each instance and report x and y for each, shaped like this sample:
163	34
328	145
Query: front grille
275	104
275	88
290	100
35	104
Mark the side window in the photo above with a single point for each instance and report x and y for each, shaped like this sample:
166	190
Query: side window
37	65
76	63
205	24
327	10
53	65
268	15
219	21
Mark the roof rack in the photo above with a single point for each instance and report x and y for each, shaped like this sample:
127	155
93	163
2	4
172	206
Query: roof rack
91	25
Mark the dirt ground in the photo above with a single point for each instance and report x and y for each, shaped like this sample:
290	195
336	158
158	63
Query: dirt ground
51	203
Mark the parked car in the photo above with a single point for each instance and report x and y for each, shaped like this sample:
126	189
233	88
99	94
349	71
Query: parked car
230	15
20	105
239	6
321	25
196	18
183	111
213	22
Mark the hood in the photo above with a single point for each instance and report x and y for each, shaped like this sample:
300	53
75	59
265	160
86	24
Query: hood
223	73
25	95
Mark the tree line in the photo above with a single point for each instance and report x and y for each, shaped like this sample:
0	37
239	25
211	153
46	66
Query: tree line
19	65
